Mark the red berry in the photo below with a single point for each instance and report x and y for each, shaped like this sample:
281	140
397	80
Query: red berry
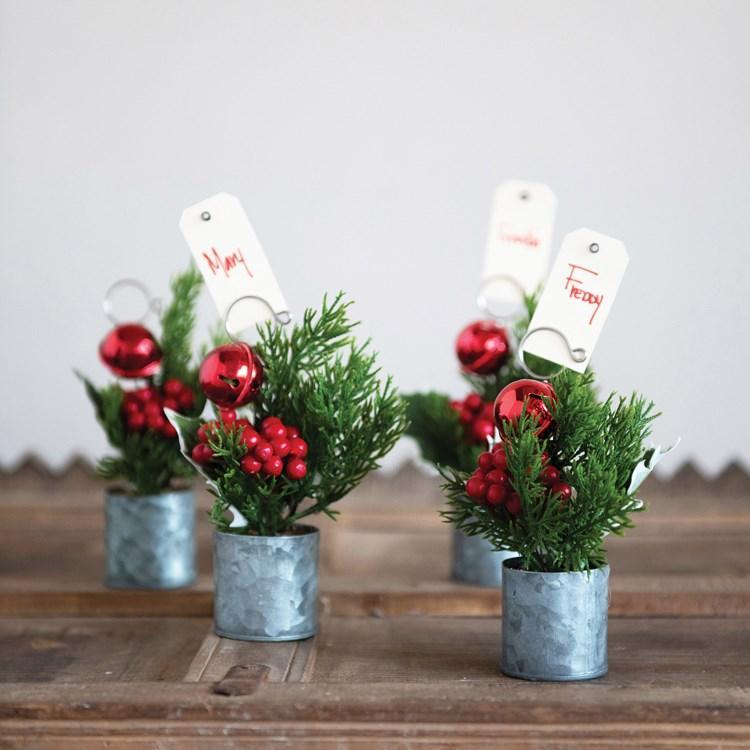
473	402
296	468
250	438
456	405
135	421
545	458
513	504
173	387
273	466
250	465
201	454
171	403
186	400
482	429
242	423
485	461
562	490
550	475
228	416
152	408
488	411
131	407
495	494
280	447
476	487
496	477
269	421
144	395
205	431
168	430
263	451
155	422
274	431
465	417
499	458
292	432
298	447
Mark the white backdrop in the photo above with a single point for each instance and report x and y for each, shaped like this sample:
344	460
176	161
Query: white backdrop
365	139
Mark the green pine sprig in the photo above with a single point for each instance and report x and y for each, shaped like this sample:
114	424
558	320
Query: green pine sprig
596	445
319	379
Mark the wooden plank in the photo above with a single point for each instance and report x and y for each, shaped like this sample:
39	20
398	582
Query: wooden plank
65	650
429	681
687	556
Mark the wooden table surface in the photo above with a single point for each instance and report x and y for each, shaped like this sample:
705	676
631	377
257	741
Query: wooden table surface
404	657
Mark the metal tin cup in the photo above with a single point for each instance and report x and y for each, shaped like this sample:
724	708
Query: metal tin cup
554	624
266	587
150	540
476	561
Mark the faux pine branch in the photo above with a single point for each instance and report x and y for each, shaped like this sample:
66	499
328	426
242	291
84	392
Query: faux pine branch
321	380
596	446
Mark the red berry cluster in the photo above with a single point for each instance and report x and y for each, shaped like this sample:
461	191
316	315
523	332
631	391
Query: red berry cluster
273	449
477	418
490	483
143	408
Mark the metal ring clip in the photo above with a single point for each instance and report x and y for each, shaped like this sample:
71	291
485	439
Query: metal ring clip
153	304
281	318
577	355
484	305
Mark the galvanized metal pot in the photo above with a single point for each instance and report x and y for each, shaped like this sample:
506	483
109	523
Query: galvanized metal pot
150	540
266	587
475	561
554	624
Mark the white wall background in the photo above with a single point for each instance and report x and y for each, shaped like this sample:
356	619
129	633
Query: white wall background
365	139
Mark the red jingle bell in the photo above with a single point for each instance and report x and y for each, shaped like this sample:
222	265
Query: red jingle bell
509	404
231	375
482	347
130	351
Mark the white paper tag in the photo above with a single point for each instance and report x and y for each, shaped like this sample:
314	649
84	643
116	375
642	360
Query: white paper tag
518	244
232	261
577	298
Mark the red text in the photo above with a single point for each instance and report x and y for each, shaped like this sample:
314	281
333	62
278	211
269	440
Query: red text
507	234
579	293
226	263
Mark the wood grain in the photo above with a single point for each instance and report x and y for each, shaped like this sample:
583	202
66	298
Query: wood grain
431	681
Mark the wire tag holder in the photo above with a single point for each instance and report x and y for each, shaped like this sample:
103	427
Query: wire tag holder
152	304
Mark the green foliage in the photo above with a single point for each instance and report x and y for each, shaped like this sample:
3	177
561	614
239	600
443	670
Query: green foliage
147	461
319	379
596	446
177	327
435	426
439	434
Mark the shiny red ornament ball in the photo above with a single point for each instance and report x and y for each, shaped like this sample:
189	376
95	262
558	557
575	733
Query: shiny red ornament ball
482	347
509	404
231	375
130	351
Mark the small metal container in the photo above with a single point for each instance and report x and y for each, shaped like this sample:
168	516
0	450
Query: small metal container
554	624
266	587
475	561
150	540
